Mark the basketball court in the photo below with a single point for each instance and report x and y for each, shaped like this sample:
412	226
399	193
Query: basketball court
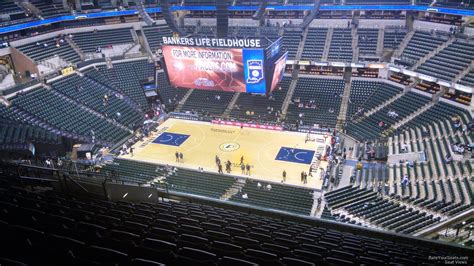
268	152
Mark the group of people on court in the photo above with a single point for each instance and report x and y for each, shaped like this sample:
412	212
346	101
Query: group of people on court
245	168
304	177
179	157
228	165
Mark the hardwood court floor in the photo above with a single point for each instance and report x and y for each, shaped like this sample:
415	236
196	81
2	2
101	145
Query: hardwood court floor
200	142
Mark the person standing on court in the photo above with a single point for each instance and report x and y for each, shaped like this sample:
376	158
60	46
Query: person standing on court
248	169
219	166
302	177
176	154
229	166
181	158
242	167
218	160
284	176
242	160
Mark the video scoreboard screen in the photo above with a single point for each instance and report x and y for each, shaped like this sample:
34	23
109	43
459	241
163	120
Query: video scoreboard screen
235	65
278	71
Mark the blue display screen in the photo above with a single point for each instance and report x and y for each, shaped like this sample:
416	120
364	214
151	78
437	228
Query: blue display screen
451	11
254	70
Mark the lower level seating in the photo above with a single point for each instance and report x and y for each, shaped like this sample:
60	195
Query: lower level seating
208	102
279	197
261	107
179	180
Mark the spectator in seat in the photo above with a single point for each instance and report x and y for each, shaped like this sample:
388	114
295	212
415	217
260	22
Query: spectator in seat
448	158
405	180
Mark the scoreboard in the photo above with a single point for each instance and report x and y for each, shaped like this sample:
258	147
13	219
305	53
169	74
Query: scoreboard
234	65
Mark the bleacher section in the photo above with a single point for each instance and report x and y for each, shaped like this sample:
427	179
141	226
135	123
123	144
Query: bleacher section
420	44
367	41
468	79
314	45
263	108
91	94
379	211
9	7
170	96
325	95
393	38
88	42
291	40
154	35
279	197
18	136
83	230
208	102
365	95
68	115
49	48
341	45
449	62
370	128
127	77
433	132
49	9
181	180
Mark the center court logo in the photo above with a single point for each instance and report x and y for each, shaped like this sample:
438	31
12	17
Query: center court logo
229	146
